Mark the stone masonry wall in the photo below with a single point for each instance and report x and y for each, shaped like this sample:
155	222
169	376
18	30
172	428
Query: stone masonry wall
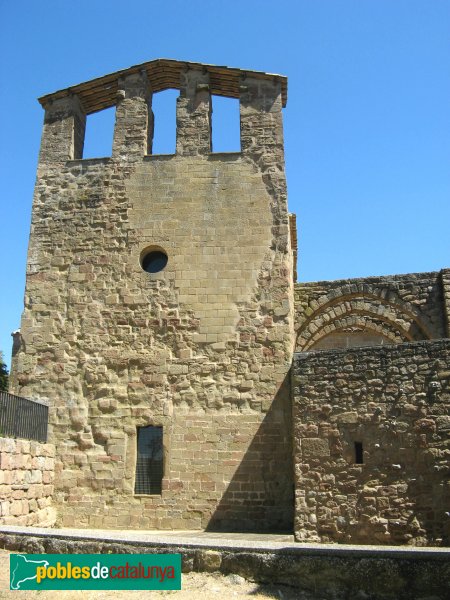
202	348
369	311
446	293
394	401
26	483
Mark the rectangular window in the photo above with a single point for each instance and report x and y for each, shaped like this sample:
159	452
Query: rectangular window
226	133
359	453
149	463
164	105
99	134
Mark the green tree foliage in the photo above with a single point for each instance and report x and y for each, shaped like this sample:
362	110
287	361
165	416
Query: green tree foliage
3	375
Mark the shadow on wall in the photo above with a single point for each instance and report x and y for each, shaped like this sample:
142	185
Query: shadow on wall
260	496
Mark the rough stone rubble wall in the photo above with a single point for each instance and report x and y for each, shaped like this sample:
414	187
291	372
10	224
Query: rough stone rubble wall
374	310
394	400
446	290
202	348
26	483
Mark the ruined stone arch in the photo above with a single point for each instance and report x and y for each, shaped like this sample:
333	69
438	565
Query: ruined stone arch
357	323
363	307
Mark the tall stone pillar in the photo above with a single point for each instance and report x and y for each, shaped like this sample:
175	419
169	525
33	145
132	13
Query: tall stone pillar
261	121
133	132
194	114
262	143
63	132
445	278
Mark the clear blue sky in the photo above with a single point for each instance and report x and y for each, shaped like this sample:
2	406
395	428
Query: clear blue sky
367	124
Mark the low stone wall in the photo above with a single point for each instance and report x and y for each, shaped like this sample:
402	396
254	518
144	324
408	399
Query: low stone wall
26	483
327	572
372	444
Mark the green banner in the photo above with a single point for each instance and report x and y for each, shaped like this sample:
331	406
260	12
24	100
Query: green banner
95	572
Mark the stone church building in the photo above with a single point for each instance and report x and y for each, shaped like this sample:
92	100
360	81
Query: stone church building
192	383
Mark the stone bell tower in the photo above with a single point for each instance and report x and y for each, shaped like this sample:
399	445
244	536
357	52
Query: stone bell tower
158	317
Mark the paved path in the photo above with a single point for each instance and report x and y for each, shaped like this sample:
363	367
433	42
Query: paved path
252	541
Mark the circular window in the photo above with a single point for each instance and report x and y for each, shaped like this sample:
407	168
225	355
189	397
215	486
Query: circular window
154	261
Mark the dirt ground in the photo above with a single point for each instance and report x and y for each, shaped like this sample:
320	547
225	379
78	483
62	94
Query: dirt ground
195	586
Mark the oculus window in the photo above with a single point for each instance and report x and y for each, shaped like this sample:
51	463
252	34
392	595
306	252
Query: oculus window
154	261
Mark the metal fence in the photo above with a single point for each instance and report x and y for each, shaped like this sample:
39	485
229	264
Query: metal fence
23	418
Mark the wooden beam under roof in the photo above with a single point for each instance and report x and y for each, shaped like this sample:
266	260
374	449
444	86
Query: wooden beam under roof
163	74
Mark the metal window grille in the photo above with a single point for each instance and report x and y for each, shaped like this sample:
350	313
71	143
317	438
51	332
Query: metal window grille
149	464
23	418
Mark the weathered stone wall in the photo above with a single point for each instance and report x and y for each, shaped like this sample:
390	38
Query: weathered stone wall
445	273
394	400
26	483
202	348
371	311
